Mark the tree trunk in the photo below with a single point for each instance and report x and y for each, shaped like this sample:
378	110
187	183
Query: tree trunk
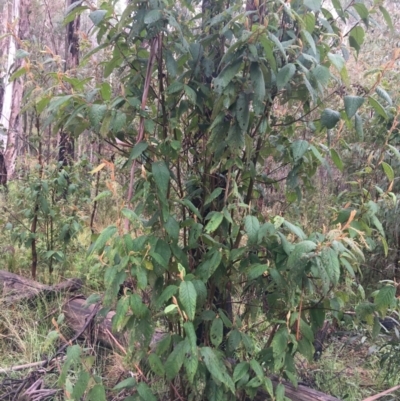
66	144
13	92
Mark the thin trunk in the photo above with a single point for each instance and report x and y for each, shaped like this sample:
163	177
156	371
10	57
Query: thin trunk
66	145
10	117
36	209
10	13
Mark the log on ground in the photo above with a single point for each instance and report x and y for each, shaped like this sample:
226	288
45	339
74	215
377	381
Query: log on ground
15	288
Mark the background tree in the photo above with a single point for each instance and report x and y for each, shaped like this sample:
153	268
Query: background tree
12	98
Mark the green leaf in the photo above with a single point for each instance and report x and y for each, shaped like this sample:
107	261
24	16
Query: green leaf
97	16
299	148
285	74
137	150
385	297
240	370
321	74
356	38
191	363
102	239
119	319
226	75
191	335
384	95
130	382
171	64
105	90
156	365
175	359
243	110
352	104
257	369
172	228
96	114
269	51
257	81
256	271
166	295
330	262
359	127
81	385
378	107
153	16
21	71
313	5
279	342
216	368
337	60
175	86
387	17
309	39
97	393
336	159
388	171
299	258
206	269
191	207
294	229
190	93
161	177
214	194
329	118
234	339
251	225
385	246
362	11
187	297
57	101
216	332
145	392
309	22
395	151
235	138
214	222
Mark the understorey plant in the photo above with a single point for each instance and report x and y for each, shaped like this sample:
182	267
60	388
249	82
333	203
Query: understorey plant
214	98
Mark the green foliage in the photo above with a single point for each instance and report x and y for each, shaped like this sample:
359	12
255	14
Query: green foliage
226	94
43	198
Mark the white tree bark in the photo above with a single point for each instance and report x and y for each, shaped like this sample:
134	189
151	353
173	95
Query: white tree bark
10	116
10	18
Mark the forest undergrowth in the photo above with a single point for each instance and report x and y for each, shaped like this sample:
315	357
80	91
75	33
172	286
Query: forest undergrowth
350	368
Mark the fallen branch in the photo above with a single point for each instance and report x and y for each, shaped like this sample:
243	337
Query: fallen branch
377	396
15	288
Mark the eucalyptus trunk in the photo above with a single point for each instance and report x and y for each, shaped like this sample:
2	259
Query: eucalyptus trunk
13	93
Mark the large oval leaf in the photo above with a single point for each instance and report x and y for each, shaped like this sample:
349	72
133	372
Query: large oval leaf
329	118
352	104
187	297
284	75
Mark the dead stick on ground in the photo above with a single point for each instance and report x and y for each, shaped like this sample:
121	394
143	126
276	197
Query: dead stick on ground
123	350
377	396
16	368
89	320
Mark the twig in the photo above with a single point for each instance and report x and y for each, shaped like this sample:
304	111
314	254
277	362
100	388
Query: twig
379	395
77	335
22	367
123	350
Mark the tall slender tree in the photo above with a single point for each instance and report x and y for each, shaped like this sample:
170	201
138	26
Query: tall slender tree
18	23
66	144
